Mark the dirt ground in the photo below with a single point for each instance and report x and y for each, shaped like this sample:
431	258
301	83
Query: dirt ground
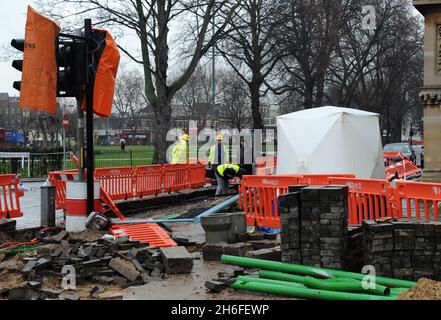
425	289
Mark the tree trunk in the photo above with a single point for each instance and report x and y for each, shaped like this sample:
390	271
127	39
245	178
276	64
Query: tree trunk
255	106
162	109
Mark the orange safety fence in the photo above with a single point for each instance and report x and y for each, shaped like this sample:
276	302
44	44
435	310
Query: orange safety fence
149	233
368	199
266	166
127	183
118	182
393	157
176	177
259	196
415	200
197	176
149	180
402	170
10	194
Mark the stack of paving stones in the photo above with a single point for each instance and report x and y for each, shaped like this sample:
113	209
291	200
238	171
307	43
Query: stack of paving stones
378	246
310	213
289	208
314	226
423	263
333	226
403	250
437	255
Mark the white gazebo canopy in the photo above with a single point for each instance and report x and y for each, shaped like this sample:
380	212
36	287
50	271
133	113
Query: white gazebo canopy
330	140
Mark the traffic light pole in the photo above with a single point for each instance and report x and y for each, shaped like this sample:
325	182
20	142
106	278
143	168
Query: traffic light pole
89	118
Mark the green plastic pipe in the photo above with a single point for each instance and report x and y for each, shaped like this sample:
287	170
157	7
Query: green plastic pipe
334	284
269	281
345	286
310	271
304	293
397	291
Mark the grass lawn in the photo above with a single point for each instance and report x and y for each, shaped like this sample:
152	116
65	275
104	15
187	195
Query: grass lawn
112	156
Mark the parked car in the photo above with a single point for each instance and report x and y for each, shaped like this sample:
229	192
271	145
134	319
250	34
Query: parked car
404	147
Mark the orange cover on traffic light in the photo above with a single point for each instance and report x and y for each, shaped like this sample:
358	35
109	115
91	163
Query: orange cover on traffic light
106	62
39	78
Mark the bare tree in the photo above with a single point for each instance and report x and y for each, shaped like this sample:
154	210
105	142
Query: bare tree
309	30
250	50
151	21
194	97
234	100
129	100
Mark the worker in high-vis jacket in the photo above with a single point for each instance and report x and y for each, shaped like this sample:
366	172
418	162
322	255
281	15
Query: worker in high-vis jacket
224	173
218	153
180	151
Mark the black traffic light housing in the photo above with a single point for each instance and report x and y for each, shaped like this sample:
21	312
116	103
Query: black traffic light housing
18	44
71	54
72	67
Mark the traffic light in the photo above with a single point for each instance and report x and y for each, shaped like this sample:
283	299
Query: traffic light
18	44
72	67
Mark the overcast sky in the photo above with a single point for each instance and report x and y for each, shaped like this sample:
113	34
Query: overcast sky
12	25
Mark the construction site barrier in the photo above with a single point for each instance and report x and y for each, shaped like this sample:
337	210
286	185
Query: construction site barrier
10	194
266	166
368	199
176	177
197	177
415	200
148	180
118	182
127	183
402	170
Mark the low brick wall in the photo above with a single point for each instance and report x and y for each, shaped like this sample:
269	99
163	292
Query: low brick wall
315	233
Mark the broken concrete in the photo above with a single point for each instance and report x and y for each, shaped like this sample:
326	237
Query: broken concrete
272	254
125	268
177	260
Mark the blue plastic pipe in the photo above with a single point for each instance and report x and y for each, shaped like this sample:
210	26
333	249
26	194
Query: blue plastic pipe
214	210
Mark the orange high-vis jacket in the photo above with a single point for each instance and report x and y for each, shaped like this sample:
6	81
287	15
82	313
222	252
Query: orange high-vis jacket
39	76
106	62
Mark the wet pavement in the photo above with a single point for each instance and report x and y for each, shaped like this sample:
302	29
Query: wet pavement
192	286
30	205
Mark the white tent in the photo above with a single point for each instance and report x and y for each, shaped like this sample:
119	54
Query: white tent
330	140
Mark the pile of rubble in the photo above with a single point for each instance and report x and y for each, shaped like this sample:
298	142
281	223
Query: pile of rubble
99	262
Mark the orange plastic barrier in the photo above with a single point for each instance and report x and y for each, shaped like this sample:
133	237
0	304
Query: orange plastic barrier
259	196
149	180
149	233
176	177
393	157
118	182
322	179
127	183
10	197
368	199
196	176
266	166
404	169
416	199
